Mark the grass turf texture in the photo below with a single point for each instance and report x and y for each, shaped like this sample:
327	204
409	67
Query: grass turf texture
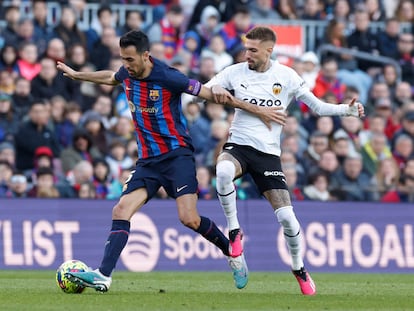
37	290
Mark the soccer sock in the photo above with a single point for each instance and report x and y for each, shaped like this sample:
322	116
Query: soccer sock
226	192
291	230
209	230
116	242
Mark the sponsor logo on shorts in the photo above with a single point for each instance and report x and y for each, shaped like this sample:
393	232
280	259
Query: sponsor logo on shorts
273	173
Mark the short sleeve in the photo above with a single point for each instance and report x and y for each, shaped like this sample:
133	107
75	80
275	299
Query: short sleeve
121	74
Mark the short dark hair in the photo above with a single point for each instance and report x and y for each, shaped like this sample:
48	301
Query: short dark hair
135	38
262	34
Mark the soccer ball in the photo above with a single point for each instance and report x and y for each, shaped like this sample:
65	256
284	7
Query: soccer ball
62	281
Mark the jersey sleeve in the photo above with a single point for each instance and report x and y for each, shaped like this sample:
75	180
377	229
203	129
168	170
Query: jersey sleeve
121	74
298	86
222	78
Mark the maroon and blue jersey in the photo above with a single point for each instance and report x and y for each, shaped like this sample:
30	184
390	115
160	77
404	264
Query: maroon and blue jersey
155	104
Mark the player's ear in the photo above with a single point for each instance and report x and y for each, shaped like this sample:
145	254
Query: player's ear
146	55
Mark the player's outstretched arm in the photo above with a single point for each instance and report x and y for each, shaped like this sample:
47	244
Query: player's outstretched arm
322	108
100	77
223	97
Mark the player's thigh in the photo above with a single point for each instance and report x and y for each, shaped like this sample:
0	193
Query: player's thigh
129	204
278	198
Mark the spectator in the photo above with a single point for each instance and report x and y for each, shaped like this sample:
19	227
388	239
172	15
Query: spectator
44	187
294	188
387	38
342	146
342	11
263	10
375	124
191	51
6	172
168	31
327	80
403	94
287	9
375	11
405	56
104	49
49	83
157	50
313	10
404	11
318	142
81	173
8	60
77	56
122	130
67	28
407	127
18	186
43	31
118	159
374	151
87	190
364	40
328	162
25	32
96	129
386	178
206	191
207	70
317	187
27	62
9	121
82	149
310	68
56	49
101	178
233	31
217	50
403	192
105	18
32	134
208	26
115	188
218	133
225	8
352	181
293	127
133	21
403	149
11	18
8	153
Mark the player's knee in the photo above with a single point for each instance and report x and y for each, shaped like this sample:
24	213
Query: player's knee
225	172
286	217
120	211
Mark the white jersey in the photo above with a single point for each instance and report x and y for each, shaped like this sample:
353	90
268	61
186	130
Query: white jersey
275	87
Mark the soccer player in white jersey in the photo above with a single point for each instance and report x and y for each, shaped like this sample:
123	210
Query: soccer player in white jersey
254	148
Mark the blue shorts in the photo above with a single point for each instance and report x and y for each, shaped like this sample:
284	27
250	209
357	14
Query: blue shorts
175	171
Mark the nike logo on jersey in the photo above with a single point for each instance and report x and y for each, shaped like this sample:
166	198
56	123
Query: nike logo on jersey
181	188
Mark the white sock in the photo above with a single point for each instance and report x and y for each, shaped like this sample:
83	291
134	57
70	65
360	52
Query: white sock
225	172
291	230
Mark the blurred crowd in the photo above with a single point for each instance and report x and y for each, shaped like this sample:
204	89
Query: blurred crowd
61	138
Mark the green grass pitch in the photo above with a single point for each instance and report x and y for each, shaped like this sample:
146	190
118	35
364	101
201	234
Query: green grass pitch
37	290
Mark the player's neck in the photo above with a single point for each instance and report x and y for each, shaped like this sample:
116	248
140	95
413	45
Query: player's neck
265	66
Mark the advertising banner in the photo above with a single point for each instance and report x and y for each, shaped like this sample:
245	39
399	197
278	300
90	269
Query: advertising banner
337	236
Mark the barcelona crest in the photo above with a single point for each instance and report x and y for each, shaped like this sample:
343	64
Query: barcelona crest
154	95
277	88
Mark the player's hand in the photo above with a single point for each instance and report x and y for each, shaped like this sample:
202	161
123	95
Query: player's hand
67	71
356	109
220	94
272	114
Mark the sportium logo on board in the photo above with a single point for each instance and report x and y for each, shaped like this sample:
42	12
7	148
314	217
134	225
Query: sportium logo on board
143	248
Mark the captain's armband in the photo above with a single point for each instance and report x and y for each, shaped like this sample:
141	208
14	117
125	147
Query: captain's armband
194	87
